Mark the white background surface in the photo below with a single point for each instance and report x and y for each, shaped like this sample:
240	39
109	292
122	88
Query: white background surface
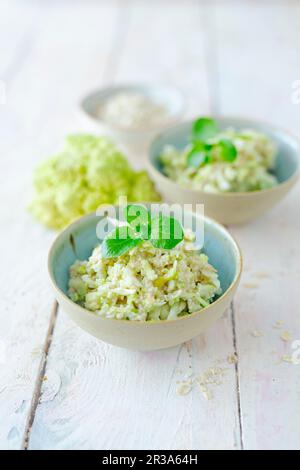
229	57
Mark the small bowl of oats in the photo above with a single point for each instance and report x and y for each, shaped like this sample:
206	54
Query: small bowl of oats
133	114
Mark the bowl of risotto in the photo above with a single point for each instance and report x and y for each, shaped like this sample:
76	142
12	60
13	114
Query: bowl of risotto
237	168
145	291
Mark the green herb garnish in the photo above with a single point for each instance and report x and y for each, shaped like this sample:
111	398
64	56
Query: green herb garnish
139	219
227	150
166	232
199	155
118	241
203	151
197	158
204	129
162	231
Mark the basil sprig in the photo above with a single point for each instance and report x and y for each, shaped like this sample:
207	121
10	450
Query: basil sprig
203	151
162	231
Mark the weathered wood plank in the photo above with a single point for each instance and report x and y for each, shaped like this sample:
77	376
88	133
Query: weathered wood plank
258	62
107	398
33	121
25	300
19	24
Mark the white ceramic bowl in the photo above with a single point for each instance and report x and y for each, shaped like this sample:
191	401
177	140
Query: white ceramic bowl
132	141
77	242
229	208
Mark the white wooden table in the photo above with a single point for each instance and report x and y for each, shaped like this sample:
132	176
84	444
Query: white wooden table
59	387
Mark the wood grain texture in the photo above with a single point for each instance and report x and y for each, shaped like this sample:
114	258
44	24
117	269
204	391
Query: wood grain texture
32	125
111	398
228	57
25	297
256	73
116	399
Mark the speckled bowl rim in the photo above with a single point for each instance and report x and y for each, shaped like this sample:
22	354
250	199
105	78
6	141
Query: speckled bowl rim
234	284
293	178
172	120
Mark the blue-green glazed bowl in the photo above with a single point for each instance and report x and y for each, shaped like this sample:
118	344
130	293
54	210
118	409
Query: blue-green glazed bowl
235	207
77	242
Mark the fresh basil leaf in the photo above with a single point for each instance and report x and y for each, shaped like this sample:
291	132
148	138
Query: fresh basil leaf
196	158
201	145
208	147
134	211
119	241
228	151
209	159
204	129
139	218
166	232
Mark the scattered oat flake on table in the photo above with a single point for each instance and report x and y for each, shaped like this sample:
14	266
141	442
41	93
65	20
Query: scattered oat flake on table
184	388
286	336
262	275
257	333
210	377
278	324
251	285
232	359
